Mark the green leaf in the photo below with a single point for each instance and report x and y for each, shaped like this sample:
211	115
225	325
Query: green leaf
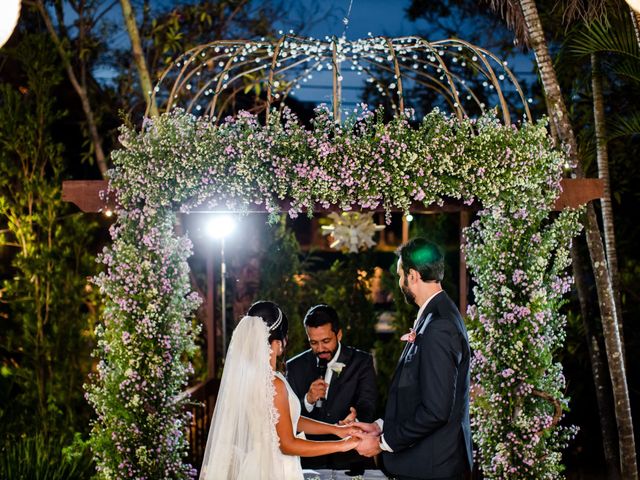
624	126
600	38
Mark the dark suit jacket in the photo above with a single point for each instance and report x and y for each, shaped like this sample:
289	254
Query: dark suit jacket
426	421
354	387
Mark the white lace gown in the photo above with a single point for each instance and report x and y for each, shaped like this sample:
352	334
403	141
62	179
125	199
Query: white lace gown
291	463
243	443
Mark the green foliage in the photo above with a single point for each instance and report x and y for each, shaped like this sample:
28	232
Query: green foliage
47	305
600	37
279	266
345	286
39	457
296	287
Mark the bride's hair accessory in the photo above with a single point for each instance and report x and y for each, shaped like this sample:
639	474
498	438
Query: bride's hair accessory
278	321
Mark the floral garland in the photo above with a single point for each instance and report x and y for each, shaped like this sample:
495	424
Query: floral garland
178	161
518	259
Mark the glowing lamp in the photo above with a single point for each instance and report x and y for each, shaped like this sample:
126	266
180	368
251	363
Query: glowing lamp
635	4
221	226
9	13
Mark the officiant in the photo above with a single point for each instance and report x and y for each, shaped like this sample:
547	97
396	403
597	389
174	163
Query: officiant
334	382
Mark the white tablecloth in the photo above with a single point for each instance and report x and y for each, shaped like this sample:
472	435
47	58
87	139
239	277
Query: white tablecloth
340	475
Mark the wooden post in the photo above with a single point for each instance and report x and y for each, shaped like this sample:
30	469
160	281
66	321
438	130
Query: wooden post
405	229
462	274
210	324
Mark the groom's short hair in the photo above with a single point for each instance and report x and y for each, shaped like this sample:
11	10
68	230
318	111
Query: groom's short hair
321	315
424	257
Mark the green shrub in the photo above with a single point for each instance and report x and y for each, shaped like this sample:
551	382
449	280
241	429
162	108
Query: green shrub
39	457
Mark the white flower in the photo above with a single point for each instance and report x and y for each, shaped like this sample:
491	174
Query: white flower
337	367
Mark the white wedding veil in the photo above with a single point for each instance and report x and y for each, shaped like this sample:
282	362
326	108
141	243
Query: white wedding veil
242	442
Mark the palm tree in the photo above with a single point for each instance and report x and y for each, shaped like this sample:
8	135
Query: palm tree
635	20
616	41
528	13
138	56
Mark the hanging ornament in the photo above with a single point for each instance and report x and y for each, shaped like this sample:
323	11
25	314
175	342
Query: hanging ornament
352	231
9	13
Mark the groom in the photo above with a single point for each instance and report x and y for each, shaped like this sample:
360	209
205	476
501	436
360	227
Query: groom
426	432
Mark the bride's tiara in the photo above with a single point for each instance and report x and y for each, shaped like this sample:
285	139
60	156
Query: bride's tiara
277	322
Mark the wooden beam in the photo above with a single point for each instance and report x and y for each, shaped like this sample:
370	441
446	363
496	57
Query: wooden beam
575	192
578	191
85	194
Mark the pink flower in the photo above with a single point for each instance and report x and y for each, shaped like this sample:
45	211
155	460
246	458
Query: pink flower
410	336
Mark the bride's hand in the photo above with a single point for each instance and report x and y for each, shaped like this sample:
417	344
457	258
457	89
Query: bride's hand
350	443
344	431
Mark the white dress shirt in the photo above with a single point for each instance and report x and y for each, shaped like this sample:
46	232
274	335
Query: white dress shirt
380	422
327	378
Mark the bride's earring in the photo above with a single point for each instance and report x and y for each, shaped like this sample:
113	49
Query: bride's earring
280	348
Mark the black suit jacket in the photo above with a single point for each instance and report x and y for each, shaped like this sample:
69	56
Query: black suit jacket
426	421
354	387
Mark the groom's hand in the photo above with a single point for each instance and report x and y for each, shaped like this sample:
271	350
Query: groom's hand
368	428
317	390
369	445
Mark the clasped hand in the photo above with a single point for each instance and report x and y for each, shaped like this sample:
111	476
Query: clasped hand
369	436
364	437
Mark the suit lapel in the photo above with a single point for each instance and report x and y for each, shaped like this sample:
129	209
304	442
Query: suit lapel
420	327
408	345
312	369
345	357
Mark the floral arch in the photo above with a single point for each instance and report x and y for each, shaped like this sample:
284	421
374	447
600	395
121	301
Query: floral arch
190	156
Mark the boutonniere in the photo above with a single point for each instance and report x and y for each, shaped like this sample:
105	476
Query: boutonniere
409	337
337	368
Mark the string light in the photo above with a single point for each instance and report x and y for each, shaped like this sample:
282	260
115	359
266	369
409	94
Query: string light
411	61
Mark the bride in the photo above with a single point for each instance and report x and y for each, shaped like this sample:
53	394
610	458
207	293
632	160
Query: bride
254	431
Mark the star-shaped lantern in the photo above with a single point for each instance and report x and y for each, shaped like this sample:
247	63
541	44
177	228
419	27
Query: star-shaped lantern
352	231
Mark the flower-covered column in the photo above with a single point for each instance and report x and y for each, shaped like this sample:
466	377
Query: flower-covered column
518	257
143	341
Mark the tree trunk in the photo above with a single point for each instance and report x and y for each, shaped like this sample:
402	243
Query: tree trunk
96	140
605	202
606	300
635	20
138	57
598	369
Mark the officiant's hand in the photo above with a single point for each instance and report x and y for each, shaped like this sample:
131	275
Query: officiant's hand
369	445
349	419
317	390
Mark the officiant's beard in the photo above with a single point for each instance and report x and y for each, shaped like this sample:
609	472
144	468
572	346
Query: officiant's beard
327	354
409	296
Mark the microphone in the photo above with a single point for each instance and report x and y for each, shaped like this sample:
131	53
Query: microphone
322	370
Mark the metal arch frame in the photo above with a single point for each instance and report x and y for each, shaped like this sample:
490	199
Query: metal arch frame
410	59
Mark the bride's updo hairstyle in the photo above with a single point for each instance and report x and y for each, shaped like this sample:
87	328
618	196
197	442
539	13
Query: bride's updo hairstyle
273	316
